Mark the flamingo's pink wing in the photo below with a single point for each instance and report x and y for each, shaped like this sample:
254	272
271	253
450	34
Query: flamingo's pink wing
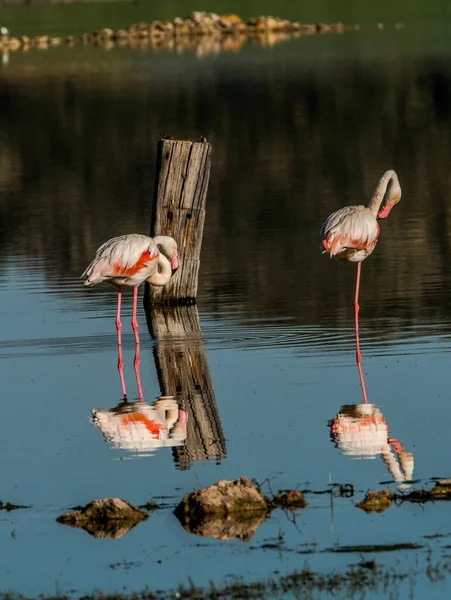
122	256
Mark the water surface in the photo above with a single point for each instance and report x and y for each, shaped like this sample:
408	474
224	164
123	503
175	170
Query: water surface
298	129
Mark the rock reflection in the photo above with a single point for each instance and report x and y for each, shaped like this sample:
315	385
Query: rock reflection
184	374
361	431
201	46
140	427
240	527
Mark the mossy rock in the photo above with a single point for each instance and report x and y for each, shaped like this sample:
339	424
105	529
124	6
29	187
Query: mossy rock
232	18
376	501
291	499
442	489
228	509
223	498
108	517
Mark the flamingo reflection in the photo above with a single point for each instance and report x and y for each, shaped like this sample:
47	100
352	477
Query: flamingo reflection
361	431
141	427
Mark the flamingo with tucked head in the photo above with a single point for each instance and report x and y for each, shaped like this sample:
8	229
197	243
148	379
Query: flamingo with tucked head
129	260
351	234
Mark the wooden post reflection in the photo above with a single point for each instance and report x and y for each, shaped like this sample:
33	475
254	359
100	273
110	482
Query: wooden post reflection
183	372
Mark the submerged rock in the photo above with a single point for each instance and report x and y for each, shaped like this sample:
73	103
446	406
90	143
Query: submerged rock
105	518
381	500
223	498
9	506
291	499
442	489
228	509
377	501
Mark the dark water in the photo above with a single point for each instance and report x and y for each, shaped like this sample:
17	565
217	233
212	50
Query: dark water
298	129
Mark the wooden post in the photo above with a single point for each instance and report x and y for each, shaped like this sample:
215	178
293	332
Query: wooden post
183	171
183	372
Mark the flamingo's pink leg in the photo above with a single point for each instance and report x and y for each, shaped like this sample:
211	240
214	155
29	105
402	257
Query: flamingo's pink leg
120	361
397	446
134	318
136	364
356	313
137	360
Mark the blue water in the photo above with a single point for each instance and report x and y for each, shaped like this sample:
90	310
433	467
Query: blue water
274	402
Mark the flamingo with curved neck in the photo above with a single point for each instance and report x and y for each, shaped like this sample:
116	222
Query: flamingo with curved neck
388	190
351	234
130	260
165	266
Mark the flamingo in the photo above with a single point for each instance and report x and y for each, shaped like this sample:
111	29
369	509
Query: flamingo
351	234
130	260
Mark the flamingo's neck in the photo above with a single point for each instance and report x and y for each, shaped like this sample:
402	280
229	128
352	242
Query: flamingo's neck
163	274
387	189
392	463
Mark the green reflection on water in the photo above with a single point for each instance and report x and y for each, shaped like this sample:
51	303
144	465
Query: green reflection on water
298	130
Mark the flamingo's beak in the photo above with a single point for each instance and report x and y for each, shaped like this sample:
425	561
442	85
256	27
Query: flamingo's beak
175	263
326	248
383	214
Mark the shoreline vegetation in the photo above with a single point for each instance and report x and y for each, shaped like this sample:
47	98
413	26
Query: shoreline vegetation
178	32
366	576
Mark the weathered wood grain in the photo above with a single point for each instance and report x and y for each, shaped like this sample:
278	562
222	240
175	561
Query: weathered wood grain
183	172
183	372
